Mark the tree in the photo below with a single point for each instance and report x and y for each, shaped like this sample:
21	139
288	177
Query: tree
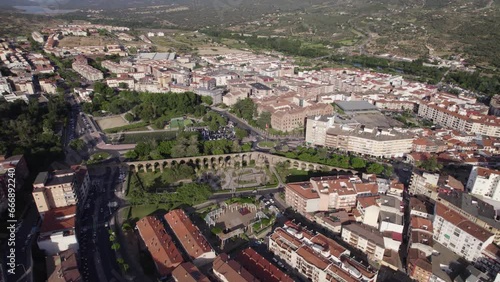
129	117
77	144
179	151
358	163
246	147
207	100
264	120
375	168
115	246
240	133
192	150
245	109
132	155
430	164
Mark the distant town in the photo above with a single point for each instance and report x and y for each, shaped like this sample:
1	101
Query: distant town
232	165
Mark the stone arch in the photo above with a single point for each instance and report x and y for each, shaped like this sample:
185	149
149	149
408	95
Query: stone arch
296	164
157	166
174	163
165	164
303	166
311	167
132	167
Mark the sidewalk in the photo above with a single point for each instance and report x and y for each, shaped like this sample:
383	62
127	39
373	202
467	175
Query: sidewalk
130	256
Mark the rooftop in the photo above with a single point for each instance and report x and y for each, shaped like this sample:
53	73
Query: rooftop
472	205
232	270
260	267
160	245
367	232
188	272
63	267
59	219
303	189
461	222
356	106
187	233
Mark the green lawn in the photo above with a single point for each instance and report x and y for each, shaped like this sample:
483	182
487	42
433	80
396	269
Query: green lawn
266	144
100	156
144	210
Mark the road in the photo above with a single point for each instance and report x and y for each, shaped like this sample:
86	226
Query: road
97	259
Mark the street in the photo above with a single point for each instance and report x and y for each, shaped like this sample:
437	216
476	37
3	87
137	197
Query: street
97	259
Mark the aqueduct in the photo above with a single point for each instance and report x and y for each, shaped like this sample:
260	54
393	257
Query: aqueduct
231	160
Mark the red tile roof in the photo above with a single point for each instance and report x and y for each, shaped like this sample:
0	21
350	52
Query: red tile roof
231	270
260	267
463	223
313	258
303	189
188	272
59	219
187	233
160	245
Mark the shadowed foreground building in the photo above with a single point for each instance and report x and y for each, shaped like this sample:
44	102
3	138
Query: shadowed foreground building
165	254
190	237
188	272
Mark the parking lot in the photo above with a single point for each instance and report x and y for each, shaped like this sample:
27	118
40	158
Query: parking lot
225	132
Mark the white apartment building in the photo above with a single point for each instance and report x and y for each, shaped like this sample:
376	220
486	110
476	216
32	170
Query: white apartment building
424	183
454	117
459	234
316	257
365	238
323	194
335	132
485	182
57	232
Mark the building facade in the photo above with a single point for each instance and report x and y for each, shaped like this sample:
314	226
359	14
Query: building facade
484	182
459	234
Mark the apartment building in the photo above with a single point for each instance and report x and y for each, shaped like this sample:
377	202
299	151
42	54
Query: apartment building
365	238
260	267
419	267
369	141
116	67
424	183
484	182
420	234
60	188
288	119
456	117
459	234
351	136
63	267
15	163
228	270
190	237
57	232
483	212
81	66
323	194
316	257
188	272
160	245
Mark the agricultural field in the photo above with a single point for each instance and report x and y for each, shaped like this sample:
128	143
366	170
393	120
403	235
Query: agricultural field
93	40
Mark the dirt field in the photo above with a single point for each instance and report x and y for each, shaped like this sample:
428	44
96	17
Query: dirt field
111	122
94	40
218	51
